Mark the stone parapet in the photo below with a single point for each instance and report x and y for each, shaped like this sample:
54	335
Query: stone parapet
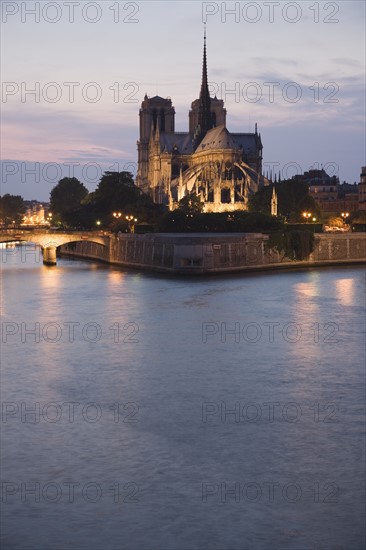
214	253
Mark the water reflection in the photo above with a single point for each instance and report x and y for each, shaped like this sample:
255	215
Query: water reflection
50	278
345	291
168	372
115	277
306	307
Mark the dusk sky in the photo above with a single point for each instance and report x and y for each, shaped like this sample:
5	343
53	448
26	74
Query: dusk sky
295	68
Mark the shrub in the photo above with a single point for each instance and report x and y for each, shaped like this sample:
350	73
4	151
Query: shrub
238	221
295	245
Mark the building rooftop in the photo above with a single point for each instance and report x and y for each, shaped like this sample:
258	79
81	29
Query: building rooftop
221	138
217	138
181	141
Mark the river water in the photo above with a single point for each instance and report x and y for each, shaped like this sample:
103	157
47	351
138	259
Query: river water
147	412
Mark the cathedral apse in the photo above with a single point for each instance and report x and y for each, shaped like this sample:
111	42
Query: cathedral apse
221	167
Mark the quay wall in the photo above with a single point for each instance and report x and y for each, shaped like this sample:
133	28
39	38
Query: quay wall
201	253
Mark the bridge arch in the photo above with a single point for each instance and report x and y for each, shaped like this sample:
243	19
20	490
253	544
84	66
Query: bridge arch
49	240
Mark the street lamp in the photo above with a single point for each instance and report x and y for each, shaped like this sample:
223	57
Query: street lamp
345	216
307	215
98	222
131	221
117	215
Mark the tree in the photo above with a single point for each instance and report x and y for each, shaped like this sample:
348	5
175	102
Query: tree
117	192
191	204
261	201
66	199
12	209
335	221
293	199
295	245
237	221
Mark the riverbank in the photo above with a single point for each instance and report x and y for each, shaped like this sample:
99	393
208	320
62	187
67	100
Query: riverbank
201	253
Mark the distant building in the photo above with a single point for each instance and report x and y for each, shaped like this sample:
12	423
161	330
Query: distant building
36	213
332	198
362	190
221	167
321	185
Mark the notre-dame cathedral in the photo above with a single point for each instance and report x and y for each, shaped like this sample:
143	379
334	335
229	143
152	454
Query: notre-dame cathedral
221	167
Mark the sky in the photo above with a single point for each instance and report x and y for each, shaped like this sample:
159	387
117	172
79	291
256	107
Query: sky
74	74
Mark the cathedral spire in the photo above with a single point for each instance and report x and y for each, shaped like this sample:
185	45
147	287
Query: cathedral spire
205	117
204	94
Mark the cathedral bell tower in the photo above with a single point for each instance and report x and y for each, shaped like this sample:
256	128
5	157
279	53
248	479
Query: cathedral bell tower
156	113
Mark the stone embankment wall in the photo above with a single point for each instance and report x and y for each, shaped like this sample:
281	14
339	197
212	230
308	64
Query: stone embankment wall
214	253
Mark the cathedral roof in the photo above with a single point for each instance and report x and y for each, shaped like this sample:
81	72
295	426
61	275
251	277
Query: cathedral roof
249	142
182	142
218	138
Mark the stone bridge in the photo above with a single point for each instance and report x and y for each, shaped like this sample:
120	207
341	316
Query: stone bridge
49	240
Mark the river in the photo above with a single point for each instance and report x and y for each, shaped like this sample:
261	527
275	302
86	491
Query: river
147	412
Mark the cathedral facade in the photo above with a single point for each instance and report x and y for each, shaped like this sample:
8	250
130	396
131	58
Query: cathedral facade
221	167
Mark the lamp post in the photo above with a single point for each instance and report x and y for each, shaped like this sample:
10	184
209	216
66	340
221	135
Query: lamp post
307	215
345	215
131	221
117	216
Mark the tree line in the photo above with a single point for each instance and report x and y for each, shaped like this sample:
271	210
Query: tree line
12	209
117	196
72	205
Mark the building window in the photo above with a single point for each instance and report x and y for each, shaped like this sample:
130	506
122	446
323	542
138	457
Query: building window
162	120
154	117
175	170
238	196
210	196
225	196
